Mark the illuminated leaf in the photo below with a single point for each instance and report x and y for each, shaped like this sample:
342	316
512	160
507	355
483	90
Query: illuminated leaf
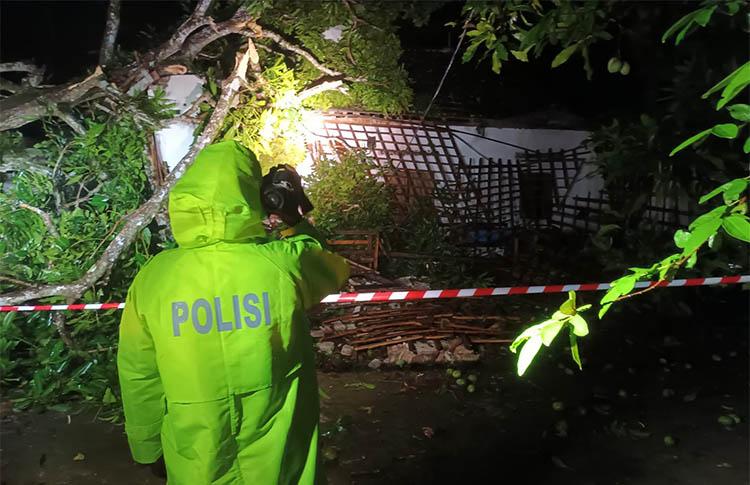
737	226
550	330
528	352
580	327
574	350
681	238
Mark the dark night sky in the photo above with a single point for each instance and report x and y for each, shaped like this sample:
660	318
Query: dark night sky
65	36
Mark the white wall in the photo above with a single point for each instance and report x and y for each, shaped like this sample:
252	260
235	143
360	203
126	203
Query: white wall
470	146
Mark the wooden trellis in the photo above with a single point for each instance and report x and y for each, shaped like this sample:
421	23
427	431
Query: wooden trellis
484	201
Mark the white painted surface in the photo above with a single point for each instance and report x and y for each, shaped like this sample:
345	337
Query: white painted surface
472	146
174	140
183	90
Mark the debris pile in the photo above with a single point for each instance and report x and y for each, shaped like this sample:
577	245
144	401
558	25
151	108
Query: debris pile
418	333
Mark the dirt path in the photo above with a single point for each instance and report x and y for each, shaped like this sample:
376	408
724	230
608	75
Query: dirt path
415	426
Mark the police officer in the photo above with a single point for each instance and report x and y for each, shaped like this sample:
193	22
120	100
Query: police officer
215	357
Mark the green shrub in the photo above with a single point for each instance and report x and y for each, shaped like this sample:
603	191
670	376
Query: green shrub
350	194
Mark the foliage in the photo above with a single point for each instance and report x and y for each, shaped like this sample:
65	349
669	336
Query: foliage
522	28
349	194
731	216
357	38
352	194
272	126
567	316
97	179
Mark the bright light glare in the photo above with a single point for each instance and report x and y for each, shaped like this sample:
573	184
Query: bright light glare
312	122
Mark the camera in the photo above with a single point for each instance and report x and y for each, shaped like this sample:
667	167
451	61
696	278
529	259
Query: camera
282	194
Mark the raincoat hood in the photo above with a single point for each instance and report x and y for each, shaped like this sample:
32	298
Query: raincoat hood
218	198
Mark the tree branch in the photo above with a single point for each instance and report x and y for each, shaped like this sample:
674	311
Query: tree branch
264	33
110	32
143	215
196	20
58	320
69	120
30	159
202	7
43	215
199	40
29	106
321	87
36	73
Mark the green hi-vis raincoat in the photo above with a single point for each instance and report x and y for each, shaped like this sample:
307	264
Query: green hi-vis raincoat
215	356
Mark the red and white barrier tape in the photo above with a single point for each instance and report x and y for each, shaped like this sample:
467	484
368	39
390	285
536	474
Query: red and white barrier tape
379	296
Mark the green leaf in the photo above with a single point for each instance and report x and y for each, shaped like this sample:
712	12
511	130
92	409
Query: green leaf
703	16
528	352
525	335
469	53
680	238
714	214
523	55
620	287
733	190
680	24
740	112
580	327
735	86
502	52
146	236
569	306
746	146
693	139
737	226
574	350
726	130
109	398
550	330
564	55
718	190
725	82
700	234
496	64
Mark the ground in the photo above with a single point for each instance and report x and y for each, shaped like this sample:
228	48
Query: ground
645	378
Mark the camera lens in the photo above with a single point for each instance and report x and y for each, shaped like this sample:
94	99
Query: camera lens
274	201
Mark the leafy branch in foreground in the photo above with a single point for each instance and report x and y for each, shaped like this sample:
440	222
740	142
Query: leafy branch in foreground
731	216
705	229
531	340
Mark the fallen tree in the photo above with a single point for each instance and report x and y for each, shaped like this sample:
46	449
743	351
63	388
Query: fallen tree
83	206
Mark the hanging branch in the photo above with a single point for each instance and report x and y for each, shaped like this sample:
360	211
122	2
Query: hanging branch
110	32
142	216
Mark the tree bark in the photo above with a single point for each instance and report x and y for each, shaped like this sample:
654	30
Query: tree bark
110	32
31	105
